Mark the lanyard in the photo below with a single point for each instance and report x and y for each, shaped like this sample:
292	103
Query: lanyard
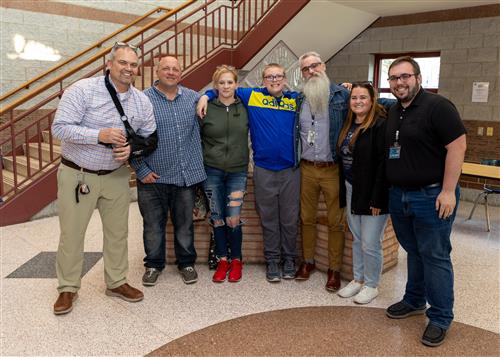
398	128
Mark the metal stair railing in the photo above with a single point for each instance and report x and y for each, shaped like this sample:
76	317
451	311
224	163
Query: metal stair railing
70	61
193	37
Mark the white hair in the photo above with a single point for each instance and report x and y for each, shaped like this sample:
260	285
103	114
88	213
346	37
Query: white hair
317	92
309	54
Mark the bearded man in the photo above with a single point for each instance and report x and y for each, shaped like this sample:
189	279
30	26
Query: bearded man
321	110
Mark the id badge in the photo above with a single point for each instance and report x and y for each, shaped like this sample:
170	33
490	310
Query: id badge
311	137
394	152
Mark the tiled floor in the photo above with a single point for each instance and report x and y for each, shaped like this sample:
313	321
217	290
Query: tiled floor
100	325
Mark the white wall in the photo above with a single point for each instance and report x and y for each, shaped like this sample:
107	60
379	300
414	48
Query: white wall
321	26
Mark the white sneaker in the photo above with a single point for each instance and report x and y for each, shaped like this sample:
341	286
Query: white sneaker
366	295
350	289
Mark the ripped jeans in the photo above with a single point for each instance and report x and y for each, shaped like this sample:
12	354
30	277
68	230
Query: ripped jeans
225	192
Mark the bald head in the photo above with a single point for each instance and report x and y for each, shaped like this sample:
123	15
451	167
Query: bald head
169	72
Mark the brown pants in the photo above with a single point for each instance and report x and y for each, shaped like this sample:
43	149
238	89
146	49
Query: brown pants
313	181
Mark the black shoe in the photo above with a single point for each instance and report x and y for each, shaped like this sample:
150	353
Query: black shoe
273	273
288	269
212	259
189	275
150	277
433	335
401	310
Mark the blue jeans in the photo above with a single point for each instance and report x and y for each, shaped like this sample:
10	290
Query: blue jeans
225	191
367	232
156	200
426	239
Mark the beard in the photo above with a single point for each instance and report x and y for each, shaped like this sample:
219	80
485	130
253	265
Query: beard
412	92
317	91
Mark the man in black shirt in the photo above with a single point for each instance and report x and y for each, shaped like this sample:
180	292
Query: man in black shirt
426	145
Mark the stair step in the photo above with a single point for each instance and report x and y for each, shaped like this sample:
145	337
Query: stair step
46	136
146	73
8	180
33	150
22	164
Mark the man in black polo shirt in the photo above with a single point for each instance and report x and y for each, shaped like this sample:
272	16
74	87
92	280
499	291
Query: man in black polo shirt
426	145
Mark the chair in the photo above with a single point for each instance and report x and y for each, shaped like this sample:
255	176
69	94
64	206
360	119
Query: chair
487	190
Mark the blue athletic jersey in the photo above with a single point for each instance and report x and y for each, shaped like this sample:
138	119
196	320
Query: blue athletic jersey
271	122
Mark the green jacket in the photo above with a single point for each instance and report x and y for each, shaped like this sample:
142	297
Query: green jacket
224	136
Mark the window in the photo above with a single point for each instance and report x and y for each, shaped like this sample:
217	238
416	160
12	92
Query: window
429	63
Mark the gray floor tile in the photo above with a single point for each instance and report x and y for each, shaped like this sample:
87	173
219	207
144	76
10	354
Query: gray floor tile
43	266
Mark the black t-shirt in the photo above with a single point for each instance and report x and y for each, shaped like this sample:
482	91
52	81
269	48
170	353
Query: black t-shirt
425	127
346	153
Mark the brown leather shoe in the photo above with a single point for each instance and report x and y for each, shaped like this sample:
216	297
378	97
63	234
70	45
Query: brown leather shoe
333	282
305	271
126	292
64	302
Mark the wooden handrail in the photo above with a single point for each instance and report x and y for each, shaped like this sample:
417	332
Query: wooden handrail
59	78
189	28
480	170
98	44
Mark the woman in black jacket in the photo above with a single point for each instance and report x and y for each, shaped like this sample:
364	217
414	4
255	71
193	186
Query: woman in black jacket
361	147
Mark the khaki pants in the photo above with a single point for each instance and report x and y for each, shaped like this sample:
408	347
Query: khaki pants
111	196
313	181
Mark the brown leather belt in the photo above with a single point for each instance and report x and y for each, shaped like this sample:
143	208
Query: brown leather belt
318	163
76	167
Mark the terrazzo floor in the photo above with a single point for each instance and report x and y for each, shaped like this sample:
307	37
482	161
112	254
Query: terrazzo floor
104	326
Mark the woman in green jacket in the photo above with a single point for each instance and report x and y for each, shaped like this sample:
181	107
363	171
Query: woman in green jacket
224	134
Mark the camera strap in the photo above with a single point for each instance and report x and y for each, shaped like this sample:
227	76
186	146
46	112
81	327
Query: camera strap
118	105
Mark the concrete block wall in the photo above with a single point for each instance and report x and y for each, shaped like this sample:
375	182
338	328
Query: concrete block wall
66	34
470	52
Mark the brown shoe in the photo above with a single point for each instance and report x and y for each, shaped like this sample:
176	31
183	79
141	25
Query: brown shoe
305	271
126	292
64	302
333	282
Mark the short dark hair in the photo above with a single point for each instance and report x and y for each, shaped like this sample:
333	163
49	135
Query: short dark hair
408	59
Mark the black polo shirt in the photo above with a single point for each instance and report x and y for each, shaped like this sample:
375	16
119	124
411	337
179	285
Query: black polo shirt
425	127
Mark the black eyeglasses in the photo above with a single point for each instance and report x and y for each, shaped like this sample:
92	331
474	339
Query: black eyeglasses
311	66
404	77
125	45
277	77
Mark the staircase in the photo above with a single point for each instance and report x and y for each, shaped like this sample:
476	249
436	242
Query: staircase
201	34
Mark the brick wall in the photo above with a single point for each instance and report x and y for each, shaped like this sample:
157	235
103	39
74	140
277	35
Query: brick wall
253	244
480	147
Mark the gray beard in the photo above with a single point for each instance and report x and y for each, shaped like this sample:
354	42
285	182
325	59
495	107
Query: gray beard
317	91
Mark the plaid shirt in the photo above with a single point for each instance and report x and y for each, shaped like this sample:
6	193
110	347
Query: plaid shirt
85	108
178	160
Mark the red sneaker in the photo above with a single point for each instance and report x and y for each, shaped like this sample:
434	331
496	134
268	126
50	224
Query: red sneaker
235	271
221	272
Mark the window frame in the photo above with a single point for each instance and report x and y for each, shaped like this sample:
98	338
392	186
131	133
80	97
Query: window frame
381	56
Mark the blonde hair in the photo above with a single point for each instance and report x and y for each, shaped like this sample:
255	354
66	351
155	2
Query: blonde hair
220	70
273	65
